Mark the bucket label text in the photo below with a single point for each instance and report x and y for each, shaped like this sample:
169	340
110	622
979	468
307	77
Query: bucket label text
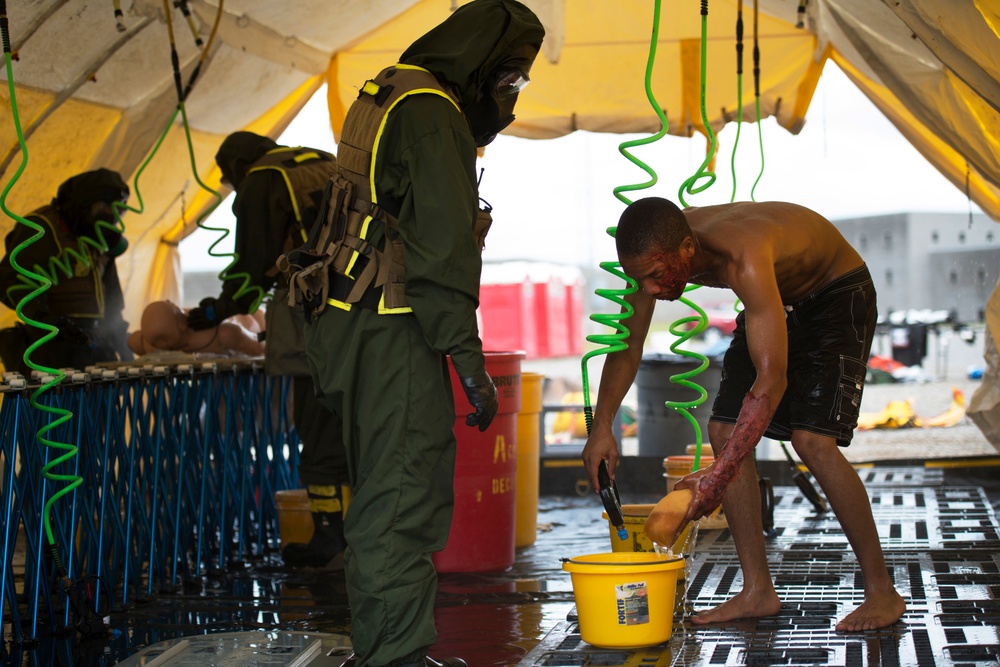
502	485
633	603
502	451
501	381
507	385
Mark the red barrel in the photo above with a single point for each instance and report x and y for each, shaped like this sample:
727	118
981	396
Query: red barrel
482	528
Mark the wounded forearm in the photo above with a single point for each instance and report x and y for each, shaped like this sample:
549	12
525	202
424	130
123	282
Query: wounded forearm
754	417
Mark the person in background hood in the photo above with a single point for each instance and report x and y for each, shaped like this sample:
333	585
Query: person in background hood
278	193
384	370
82	237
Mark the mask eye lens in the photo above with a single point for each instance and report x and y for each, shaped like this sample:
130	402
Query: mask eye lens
511	82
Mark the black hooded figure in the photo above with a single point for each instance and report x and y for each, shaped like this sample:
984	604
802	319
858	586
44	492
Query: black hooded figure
278	192
384	370
82	236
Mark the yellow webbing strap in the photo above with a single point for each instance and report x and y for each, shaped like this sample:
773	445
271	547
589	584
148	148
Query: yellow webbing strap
372	88
309	155
324	497
288	184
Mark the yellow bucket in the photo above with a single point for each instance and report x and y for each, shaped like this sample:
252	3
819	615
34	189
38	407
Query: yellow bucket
624	600
295	522
526	478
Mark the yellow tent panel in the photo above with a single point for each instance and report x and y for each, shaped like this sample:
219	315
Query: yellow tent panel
90	96
596	80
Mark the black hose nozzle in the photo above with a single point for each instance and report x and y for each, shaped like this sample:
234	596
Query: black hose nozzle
612	502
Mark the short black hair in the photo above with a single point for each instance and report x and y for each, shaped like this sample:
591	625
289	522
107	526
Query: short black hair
651	223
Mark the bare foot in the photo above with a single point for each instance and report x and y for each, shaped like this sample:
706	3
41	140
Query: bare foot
743	605
878	612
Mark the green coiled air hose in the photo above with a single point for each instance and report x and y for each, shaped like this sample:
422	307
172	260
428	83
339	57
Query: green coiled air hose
50	376
615	342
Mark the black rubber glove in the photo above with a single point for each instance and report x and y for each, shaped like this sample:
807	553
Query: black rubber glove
210	313
482	394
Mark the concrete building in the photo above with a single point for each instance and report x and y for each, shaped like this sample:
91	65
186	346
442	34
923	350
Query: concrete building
936	261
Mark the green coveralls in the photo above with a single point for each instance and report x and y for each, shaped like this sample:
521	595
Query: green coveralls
386	374
266	225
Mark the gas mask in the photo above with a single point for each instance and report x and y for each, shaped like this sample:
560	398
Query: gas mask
493	110
110	229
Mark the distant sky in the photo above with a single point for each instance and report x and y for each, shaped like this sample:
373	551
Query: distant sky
553	201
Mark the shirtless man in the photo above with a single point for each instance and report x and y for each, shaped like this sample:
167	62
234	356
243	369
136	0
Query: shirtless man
795	370
165	328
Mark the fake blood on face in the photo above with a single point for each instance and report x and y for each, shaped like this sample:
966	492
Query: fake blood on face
661	275
673	278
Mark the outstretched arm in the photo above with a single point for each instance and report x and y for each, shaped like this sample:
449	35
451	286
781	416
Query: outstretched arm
767	339
616	379
234	337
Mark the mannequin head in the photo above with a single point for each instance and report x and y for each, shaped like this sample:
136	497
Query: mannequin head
164	326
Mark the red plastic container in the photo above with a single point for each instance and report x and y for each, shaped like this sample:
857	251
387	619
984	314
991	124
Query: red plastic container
551	318
483	524
574	309
507	312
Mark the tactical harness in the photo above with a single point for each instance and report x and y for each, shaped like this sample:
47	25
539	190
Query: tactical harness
305	171
337	265
80	292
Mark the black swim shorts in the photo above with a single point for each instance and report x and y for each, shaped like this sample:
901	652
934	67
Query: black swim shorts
829	338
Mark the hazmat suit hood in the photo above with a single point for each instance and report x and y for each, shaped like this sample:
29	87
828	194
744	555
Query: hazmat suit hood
77	194
76	198
238	152
468	50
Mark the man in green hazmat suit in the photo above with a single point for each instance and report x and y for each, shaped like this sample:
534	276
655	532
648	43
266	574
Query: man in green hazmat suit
380	359
81	238
278	193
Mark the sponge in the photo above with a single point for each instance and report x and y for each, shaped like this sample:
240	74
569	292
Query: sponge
666	519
